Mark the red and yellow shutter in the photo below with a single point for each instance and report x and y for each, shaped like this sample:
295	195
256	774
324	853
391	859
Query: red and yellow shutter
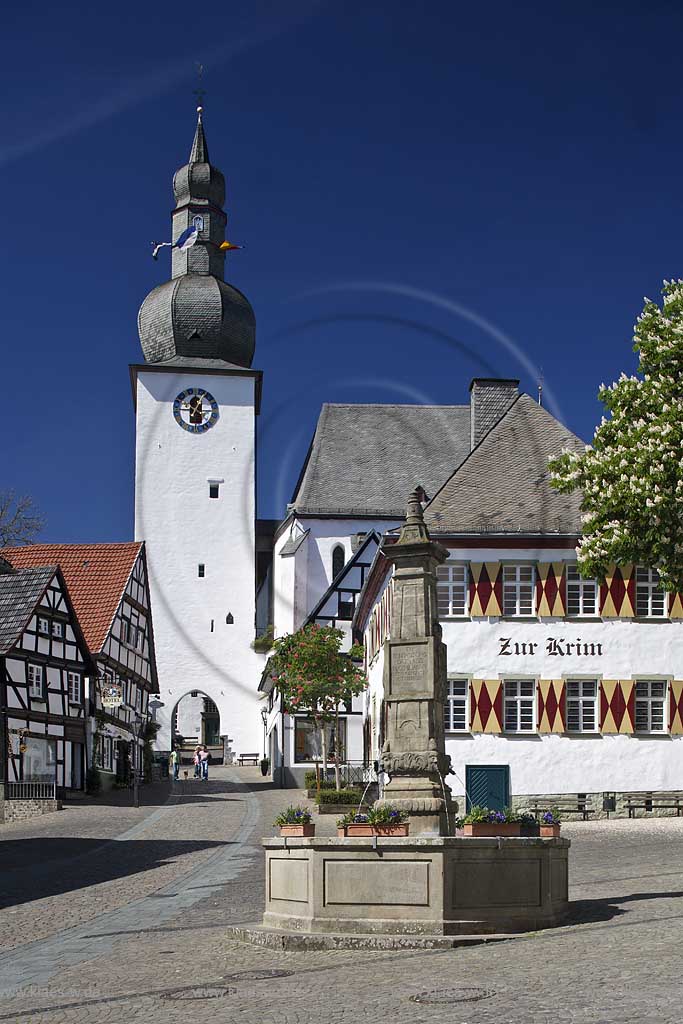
485	592
676	707
486	705
617	706
551	705
550	589
617	593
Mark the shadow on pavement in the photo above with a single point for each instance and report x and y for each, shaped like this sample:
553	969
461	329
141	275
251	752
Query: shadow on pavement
589	911
35	868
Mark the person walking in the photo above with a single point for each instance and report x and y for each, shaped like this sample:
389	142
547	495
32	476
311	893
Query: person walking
204	761
175	762
196	761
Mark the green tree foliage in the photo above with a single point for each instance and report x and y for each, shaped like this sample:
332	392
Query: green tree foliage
631	477
313	675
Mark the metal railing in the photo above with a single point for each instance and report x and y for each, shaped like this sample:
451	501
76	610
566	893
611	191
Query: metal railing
31	790
352	773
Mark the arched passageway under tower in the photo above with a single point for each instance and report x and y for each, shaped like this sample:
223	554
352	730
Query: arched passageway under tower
196	720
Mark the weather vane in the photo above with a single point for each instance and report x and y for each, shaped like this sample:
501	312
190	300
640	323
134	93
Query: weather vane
199	92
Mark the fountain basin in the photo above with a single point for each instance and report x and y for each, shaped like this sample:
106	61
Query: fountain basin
426	886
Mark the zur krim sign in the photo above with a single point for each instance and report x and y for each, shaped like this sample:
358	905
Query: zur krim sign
554	646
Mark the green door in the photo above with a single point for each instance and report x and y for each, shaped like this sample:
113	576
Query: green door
487	786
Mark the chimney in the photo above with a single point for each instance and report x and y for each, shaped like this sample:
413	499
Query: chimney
490	397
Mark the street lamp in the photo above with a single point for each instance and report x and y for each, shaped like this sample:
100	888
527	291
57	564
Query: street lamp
139	720
264	719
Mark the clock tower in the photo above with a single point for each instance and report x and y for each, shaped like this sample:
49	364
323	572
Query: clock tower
196	401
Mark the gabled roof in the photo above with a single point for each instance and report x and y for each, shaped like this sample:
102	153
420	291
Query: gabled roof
20	592
365	459
96	576
503	486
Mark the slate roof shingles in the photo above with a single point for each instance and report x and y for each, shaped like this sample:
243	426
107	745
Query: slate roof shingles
95	574
504	485
365	459
20	592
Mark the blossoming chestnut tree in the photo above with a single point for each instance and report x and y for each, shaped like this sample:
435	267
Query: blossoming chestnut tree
631	476
314	675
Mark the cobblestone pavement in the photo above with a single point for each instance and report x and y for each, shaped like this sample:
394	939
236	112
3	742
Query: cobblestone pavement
154	949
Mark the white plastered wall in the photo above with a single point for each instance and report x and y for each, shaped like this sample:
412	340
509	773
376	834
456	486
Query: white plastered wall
183	527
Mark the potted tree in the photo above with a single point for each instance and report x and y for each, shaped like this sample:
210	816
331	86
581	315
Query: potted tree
265	765
482	822
550	824
295	821
384	820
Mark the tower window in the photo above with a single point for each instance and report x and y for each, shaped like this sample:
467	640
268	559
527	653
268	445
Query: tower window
201	570
338	560
213	490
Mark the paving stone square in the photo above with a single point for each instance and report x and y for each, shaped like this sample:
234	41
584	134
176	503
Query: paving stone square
138	930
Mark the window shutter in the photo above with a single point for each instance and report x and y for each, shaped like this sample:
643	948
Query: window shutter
611	706
486	705
676	606
628	699
551	705
676	707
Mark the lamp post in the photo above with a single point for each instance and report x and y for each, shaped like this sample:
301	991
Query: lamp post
264	719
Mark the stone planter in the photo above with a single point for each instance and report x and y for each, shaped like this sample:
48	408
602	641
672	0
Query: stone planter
550	831
339	809
365	829
305	831
484	829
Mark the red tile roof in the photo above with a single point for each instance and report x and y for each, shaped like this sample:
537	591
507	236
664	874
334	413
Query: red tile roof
96	576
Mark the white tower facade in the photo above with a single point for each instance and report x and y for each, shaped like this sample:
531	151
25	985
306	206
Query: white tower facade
196	400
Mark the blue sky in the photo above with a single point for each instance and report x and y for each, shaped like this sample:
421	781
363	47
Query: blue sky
427	193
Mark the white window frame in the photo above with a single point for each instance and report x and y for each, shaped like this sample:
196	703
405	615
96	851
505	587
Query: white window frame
57	629
43	625
75	687
461	699
584	702
514	584
519	700
453	576
36	689
647	581
648	701
584	589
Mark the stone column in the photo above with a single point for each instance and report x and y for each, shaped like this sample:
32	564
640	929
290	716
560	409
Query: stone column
414	754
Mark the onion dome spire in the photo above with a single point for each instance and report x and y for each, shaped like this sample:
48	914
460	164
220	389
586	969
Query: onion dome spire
197	314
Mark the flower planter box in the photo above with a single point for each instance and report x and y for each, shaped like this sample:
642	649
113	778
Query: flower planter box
529	831
489	828
550	831
363	829
306	831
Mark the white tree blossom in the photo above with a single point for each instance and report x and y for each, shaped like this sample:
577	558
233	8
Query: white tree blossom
631	476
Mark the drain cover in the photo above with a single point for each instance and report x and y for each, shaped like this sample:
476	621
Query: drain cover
453	995
202	992
263	975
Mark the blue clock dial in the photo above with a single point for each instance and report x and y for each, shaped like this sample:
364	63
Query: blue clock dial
195	410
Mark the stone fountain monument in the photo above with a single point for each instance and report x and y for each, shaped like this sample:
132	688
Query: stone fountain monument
431	884
414	754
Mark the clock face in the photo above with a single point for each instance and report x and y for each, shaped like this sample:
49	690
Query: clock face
195	410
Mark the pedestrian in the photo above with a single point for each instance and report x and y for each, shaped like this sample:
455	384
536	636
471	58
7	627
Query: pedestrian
196	761
204	759
175	762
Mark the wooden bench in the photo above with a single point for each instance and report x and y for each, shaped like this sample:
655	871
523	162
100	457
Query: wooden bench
248	759
578	805
651	801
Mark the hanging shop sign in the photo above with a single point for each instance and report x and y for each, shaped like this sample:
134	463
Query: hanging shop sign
111	695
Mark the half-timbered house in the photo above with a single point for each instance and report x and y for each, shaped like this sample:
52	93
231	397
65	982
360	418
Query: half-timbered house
44	665
108	584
